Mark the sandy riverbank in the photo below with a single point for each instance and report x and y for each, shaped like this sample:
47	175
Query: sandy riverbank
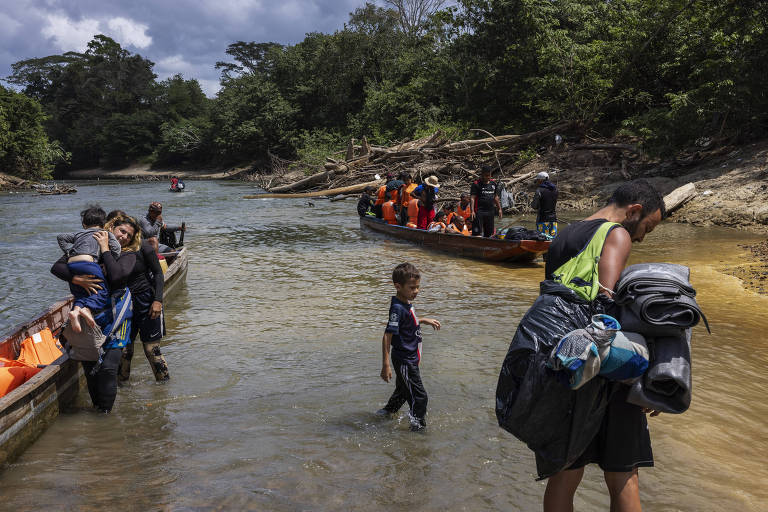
145	172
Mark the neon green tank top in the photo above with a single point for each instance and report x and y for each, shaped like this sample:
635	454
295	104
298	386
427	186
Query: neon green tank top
580	272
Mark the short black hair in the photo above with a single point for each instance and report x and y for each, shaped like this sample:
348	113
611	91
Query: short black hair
405	272
94	215
639	192
486	169
116	213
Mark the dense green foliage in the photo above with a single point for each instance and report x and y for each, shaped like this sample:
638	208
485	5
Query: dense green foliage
24	146
667	72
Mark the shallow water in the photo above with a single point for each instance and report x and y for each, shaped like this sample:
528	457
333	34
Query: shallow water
274	351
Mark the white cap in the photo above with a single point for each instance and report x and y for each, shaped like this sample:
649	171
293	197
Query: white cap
542	176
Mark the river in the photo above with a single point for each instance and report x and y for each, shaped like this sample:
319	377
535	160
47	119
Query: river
274	352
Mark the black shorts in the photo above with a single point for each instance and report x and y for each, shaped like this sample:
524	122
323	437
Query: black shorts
150	329
623	442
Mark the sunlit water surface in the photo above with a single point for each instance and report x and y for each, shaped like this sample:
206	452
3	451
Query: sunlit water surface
274	351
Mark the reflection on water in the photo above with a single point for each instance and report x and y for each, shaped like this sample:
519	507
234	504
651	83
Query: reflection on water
274	350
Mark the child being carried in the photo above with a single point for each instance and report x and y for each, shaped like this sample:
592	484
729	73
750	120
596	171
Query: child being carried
83	253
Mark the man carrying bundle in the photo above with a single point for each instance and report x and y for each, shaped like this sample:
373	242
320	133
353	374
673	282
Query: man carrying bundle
569	429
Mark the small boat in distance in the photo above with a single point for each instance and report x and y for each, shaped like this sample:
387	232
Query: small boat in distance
29	409
488	249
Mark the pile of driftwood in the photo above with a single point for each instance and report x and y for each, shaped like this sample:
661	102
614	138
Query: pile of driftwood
455	164
55	189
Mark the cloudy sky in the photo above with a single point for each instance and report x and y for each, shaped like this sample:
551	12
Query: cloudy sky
179	36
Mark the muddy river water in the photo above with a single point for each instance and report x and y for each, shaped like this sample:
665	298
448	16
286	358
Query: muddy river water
274	352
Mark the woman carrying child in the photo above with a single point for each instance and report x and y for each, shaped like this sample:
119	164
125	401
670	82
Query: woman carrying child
101	376
139	269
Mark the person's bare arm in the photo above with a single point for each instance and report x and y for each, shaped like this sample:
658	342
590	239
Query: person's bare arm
614	257
430	321
386	369
498	205
472	199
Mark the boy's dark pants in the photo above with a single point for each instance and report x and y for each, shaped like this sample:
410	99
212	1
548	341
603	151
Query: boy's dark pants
408	388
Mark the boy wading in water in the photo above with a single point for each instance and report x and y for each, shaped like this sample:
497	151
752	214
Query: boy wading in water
403	337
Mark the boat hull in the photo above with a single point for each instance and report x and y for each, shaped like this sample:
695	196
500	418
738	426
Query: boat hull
488	249
28	410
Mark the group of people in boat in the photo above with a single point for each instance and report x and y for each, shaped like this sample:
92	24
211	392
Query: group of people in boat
114	272
400	201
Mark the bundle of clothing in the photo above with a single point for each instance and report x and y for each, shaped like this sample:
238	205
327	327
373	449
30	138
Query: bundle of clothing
658	301
600	349
520	233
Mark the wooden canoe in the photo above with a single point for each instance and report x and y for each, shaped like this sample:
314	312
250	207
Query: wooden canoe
489	249
27	411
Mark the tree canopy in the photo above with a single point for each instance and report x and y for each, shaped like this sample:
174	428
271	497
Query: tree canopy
667	72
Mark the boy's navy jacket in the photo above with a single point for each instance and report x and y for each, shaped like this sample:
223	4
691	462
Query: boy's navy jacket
406	333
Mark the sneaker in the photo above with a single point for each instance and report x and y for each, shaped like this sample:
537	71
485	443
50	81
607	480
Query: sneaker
384	413
417	427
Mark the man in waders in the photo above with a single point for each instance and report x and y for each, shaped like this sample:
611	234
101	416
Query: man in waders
605	239
569	429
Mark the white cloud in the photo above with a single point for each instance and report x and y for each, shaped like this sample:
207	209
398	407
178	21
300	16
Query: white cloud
129	32
171	65
71	35
210	87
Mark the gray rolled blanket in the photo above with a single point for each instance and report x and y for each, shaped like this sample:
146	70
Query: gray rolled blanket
666	386
657	299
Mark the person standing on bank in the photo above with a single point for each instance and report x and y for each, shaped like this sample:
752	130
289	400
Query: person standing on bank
140	270
545	204
484	202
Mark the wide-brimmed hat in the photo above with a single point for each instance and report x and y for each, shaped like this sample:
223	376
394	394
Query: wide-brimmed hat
432	181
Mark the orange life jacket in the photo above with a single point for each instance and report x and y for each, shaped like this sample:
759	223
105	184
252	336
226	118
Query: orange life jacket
40	348
380	198
464	212
388	212
406	199
449	217
413	211
13	374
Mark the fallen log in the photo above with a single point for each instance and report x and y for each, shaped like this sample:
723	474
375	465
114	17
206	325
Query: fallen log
311	181
517	179
319	193
506	141
342	167
679	197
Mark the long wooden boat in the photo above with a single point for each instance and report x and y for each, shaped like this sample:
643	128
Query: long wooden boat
489	249
27	411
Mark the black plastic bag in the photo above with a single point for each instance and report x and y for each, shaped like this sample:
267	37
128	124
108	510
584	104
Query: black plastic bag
532	401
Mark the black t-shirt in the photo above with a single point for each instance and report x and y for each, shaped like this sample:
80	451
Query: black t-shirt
485	193
406	333
569	242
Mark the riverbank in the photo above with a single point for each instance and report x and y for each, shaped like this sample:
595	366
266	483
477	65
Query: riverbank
144	172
